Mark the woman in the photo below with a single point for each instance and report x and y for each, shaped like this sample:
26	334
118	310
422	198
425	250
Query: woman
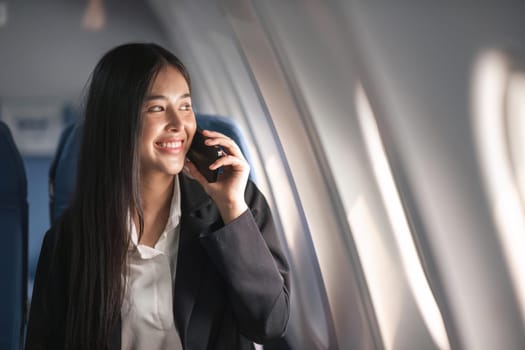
149	255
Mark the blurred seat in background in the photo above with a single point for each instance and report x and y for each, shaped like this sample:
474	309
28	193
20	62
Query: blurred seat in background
62	171
13	235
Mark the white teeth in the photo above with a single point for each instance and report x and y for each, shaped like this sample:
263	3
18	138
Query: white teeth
175	144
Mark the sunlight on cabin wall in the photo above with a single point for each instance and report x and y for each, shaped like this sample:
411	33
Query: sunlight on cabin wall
398	221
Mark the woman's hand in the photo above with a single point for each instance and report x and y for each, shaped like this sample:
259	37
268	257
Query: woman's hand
228	191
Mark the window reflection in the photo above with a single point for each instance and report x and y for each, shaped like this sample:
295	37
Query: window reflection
516	128
402	233
497	111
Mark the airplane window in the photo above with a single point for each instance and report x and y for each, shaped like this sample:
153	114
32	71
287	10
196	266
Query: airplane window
312	48
498	95
325	221
402	232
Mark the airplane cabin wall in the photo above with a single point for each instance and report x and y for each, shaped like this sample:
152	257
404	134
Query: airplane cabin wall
371	105
421	62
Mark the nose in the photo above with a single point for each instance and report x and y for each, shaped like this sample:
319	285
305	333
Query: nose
174	121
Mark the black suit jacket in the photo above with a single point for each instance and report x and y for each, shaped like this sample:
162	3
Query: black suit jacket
231	285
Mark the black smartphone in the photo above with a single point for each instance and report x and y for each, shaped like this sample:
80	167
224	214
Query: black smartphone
203	156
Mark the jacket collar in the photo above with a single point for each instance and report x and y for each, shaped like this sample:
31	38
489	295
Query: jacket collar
192	194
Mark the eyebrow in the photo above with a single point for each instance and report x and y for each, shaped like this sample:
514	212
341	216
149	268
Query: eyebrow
162	97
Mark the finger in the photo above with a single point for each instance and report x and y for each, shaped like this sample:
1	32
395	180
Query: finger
228	144
229	160
212	133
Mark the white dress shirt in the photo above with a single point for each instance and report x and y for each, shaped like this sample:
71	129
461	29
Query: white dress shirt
147	309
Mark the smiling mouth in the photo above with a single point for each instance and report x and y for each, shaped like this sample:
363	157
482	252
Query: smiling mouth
169	146
175	144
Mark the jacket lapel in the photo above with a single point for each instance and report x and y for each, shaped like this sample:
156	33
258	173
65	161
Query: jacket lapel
197	216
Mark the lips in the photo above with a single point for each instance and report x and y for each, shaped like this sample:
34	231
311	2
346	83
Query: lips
170	145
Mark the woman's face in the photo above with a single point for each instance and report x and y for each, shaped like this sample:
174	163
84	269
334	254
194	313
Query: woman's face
168	123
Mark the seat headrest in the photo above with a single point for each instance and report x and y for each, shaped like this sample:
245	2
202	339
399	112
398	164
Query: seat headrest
13	182
64	169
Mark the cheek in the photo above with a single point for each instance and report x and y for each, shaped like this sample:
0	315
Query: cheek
146	138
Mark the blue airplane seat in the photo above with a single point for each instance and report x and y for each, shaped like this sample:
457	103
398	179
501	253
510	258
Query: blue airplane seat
63	169
13	232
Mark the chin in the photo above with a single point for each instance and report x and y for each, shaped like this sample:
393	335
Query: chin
174	170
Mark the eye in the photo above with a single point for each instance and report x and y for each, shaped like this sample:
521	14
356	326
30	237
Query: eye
185	107
156	108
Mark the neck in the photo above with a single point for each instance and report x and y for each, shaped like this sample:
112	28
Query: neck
156	192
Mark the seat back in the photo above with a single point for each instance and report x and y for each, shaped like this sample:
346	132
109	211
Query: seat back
63	170
13	235
52	169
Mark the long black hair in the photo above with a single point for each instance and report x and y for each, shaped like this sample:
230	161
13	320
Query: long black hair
108	188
